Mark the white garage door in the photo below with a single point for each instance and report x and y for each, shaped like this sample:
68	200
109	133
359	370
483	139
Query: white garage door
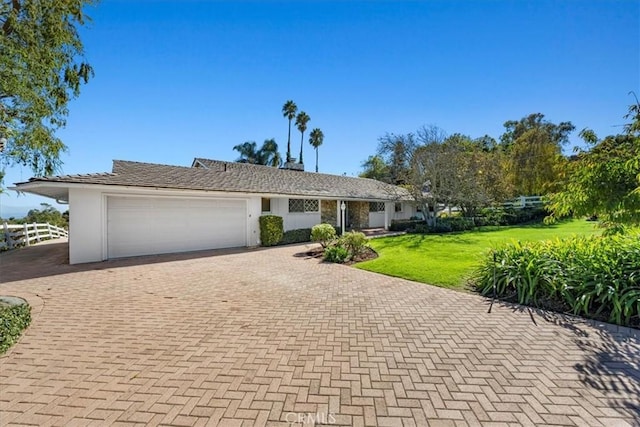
149	225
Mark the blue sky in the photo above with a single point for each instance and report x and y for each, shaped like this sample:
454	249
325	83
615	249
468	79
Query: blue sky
182	79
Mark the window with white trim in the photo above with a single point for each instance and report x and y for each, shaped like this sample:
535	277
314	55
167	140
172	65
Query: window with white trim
303	205
398	207
266	204
376	206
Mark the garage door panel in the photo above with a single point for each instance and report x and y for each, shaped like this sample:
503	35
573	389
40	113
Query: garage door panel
144	226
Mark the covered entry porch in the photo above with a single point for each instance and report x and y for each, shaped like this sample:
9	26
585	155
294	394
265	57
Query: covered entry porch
362	214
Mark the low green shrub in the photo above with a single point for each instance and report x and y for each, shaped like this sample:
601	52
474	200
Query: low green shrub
598	276
336	253
301	235
271	230
323	234
354	242
404	224
512	216
13	320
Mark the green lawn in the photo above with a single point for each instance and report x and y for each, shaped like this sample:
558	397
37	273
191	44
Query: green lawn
448	259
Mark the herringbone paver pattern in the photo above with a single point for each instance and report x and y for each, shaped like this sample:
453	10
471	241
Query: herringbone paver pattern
266	337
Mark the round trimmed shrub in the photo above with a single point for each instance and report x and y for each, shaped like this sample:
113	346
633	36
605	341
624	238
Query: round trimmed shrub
323	234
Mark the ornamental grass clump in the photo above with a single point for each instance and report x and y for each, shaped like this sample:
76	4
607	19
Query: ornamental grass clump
598	276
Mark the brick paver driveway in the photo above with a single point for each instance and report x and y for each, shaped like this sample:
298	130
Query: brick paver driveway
272	337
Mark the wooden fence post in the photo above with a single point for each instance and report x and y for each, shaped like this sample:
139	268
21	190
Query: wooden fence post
7	237
35	228
26	234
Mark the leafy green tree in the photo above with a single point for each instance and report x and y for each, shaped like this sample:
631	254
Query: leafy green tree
248	152
375	168
456	171
301	122
267	154
316	138
534	149
397	152
605	179
289	110
41	70
47	213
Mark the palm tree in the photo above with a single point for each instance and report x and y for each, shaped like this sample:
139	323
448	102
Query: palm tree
301	122
289	111
248	152
269	154
316	138
266	155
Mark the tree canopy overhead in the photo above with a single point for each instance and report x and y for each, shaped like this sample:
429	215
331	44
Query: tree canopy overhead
42	68
605	179
267	154
534	149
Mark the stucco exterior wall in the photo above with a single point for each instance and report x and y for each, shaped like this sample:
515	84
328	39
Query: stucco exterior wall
376	219
86	225
254	208
293	220
88	220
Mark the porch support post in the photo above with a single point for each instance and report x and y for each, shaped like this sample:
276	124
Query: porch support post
343	209
386	216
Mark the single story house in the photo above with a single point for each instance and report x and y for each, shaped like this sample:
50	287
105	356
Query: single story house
145	209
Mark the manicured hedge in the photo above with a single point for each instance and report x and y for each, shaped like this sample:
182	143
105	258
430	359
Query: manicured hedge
404	224
270	230
300	235
488	217
13	320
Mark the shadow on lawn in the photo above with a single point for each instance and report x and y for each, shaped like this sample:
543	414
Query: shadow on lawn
611	356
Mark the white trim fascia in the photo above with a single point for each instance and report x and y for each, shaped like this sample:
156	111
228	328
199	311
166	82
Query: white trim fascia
202	165
25	187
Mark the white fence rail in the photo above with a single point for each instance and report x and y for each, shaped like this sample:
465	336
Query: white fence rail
15	235
523	202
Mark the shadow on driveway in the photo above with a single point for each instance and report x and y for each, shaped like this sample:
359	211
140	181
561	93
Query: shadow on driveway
611	356
51	258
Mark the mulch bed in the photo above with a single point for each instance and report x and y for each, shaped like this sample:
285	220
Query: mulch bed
366	255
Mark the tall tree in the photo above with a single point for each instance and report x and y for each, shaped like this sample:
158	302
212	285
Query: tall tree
397	152
605	179
534	150
41	70
316	138
267	154
456	171
248	152
289	110
301	122
375	168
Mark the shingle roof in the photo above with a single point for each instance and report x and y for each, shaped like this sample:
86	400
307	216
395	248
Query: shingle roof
217	175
